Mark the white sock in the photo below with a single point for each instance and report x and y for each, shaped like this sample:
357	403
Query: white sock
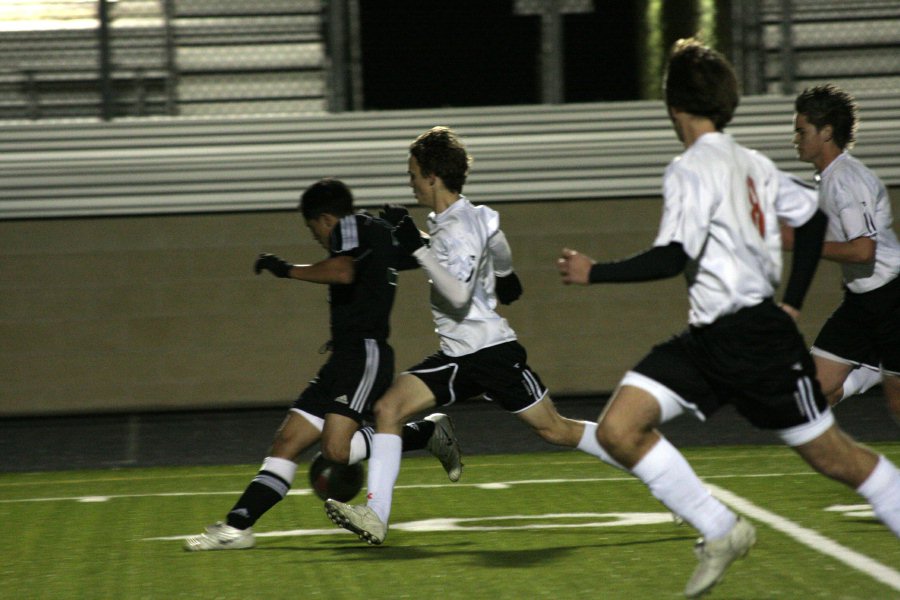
282	467
590	445
859	380
672	481
384	467
882	489
360	445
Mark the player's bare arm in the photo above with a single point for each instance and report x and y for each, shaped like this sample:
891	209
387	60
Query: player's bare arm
859	251
333	270
787	237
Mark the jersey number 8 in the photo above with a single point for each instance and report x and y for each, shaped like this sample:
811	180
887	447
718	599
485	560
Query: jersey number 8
756	213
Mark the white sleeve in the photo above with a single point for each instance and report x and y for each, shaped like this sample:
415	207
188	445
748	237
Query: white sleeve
456	292
501	254
796	202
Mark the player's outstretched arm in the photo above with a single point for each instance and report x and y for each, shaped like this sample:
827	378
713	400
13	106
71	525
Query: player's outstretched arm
659	262
456	292
333	270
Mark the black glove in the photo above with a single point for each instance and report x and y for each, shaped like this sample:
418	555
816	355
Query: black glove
270	262
407	235
508	288
393	213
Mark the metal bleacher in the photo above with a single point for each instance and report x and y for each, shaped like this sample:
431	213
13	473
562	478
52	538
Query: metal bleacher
244	58
163	165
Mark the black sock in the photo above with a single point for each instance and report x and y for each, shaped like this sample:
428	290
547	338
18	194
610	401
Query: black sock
415	435
265	491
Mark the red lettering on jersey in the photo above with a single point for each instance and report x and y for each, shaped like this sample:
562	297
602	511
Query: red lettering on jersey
756	213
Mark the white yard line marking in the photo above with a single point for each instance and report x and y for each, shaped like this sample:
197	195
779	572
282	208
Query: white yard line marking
807	537
469	524
810	538
487	485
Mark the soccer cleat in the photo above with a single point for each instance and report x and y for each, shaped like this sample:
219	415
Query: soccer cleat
444	445
220	537
359	519
717	555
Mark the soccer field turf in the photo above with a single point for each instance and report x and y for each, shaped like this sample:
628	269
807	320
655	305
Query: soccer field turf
542	525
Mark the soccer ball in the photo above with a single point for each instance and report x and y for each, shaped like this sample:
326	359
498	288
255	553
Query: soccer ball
334	480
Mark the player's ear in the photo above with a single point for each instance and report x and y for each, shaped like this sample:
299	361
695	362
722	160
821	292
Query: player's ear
329	220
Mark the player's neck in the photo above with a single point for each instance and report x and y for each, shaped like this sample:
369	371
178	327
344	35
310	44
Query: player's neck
693	128
829	153
444	199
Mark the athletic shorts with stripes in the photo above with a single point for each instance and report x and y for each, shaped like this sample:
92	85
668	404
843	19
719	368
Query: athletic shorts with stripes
354	377
499	373
864	329
754	359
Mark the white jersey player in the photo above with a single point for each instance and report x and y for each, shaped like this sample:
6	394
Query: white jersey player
719	227
864	332
723	204
469	263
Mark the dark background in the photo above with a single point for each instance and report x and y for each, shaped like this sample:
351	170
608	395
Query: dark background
428	53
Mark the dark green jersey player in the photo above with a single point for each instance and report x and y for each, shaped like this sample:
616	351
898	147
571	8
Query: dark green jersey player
361	273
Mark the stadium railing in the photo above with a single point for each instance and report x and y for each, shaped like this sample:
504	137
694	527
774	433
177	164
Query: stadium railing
163	165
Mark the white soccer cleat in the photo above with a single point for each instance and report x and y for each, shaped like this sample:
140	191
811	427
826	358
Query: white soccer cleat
444	445
359	519
716	556
220	537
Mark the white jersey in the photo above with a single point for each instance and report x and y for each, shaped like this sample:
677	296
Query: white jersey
460	238
722	203
856	203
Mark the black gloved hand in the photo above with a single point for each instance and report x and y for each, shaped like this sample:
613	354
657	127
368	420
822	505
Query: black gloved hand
393	213
407	235
270	262
507	288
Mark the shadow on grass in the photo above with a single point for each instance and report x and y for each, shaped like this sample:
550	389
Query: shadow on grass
481	554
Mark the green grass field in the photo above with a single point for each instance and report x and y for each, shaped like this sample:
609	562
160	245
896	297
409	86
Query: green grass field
550	525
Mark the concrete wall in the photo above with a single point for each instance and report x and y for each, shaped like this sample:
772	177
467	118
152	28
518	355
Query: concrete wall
163	312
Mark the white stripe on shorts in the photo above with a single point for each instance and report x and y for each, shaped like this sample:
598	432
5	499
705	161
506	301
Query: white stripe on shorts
531	383
806	401
368	377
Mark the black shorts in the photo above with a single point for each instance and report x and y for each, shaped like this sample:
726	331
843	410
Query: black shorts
355	376
865	329
755	359
500	373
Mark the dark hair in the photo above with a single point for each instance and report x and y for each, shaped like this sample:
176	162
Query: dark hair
700	81
440	152
829	105
326	196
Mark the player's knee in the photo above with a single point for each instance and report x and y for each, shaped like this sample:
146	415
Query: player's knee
387	411
337	452
614	437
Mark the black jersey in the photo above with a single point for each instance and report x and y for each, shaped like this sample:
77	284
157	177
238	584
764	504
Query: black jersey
362	309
